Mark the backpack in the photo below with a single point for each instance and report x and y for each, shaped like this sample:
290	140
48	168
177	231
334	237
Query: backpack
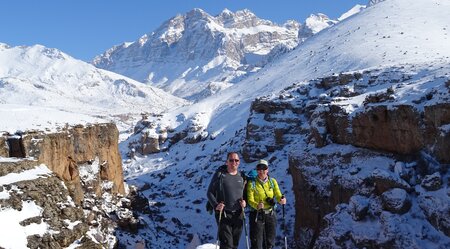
220	171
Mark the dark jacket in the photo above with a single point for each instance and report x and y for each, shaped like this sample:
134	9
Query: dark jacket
226	188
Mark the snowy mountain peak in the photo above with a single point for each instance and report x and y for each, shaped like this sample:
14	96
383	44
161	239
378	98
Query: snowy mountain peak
189	52
314	24
318	22
4	46
226	12
356	9
197	14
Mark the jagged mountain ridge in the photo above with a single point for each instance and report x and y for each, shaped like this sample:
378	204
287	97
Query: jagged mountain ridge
195	55
47	77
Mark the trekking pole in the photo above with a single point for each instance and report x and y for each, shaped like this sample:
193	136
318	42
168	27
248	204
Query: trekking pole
218	228
263	215
245	229
284	226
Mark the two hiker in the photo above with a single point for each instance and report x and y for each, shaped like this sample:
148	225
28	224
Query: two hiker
226	195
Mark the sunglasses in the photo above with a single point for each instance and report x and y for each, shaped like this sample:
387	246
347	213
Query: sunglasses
233	160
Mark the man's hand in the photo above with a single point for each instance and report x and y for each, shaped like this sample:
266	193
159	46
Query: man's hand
220	206
282	200
243	203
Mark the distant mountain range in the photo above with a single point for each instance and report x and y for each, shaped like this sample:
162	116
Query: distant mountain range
196	55
40	76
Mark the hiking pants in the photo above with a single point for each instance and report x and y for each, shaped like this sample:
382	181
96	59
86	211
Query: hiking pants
230	229
262	230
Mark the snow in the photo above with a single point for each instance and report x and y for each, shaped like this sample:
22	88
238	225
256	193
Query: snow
189	51
4	194
11	218
317	22
395	33
376	38
15	235
25	117
36	80
89	171
70	224
355	10
31	174
208	246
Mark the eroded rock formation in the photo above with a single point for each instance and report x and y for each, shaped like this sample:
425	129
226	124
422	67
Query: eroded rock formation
378	162
62	152
81	189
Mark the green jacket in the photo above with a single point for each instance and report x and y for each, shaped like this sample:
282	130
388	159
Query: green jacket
258	191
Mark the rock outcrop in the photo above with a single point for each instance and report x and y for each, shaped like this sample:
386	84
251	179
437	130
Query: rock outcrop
62	152
78	185
368	157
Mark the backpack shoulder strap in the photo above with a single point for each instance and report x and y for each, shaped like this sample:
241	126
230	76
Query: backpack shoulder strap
271	183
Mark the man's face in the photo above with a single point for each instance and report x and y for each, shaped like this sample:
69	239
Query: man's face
233	161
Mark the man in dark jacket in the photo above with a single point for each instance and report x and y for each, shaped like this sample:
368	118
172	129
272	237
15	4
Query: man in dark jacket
225	194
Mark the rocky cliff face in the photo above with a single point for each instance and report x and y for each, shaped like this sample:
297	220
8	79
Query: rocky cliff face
64	151
78	191
367	166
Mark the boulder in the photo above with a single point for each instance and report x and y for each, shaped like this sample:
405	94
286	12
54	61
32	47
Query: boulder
396	201
432	182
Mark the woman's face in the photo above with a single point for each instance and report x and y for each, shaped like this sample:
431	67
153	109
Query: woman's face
262	173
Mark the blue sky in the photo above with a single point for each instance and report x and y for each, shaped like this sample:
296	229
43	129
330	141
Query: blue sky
86	28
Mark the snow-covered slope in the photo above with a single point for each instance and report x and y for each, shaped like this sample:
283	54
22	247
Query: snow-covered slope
43	77
190	51
390	33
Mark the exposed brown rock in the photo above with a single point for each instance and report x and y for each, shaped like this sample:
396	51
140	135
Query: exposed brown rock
394	130
312	202
4	150
62	152
148	144
438	140
438	215
320	114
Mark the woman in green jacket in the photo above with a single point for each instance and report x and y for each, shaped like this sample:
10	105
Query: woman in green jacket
262	195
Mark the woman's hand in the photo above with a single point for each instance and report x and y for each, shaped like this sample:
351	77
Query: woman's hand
260	205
